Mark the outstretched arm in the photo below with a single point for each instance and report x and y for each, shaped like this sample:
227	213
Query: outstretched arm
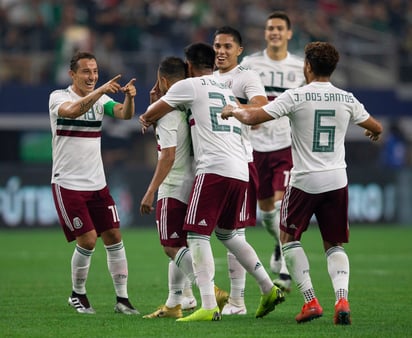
256	101
250	116
77	108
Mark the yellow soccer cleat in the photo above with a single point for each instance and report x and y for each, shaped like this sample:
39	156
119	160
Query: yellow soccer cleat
268	301
166	312
202	315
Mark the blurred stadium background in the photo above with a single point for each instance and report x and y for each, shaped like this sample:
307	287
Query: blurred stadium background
130	37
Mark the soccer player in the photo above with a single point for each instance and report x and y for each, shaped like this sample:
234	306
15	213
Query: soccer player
279	70
319	114
248	89
221	180
82	198
173	179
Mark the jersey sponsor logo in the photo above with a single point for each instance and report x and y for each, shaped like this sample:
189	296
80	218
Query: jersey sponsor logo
77	223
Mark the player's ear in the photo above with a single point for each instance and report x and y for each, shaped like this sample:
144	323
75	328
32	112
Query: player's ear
289	34
164	82
189	69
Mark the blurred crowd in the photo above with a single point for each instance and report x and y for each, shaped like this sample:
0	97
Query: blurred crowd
39	36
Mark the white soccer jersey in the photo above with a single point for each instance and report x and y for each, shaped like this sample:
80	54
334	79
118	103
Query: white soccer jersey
217	143
319	114
77	161
276	76
172	130
245	84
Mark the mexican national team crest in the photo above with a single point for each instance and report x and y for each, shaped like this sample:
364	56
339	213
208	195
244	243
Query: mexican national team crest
77	223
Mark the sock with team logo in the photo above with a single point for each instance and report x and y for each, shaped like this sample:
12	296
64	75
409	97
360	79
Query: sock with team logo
117	264
246	256
203	268
298	266
176	283
80	265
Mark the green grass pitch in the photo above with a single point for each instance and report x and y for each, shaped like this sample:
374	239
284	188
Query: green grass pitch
35	284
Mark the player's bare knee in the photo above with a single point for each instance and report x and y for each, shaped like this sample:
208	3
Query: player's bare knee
87	240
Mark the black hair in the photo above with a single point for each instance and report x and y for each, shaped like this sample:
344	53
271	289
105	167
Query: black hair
322	57
173	67
230	31
280	15
78	56
201	55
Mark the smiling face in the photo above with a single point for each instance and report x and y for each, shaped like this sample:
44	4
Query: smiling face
277	34
85	76
227	52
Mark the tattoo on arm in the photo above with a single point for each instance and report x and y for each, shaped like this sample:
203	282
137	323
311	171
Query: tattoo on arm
85	106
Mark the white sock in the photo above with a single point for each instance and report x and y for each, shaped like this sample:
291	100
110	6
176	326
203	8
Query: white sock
176	283
237	275
187	288
338	268
203	268
117	264
276	230
183	260
276	221
268	221
80	265
246	256
298	266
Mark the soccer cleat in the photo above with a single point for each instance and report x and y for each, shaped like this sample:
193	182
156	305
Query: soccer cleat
275	263
166	312
202	315
123	306
189	303
342	313
222	297
80	303
232	309
284	282
269	300
310	311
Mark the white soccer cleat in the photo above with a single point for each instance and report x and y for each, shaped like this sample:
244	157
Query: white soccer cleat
189	303
231	309
275	264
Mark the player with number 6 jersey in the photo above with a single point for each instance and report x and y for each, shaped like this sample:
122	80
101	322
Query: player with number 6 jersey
319	114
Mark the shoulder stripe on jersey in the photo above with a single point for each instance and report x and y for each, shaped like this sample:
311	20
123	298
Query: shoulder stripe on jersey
242	100
77	133
78	123
275	89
